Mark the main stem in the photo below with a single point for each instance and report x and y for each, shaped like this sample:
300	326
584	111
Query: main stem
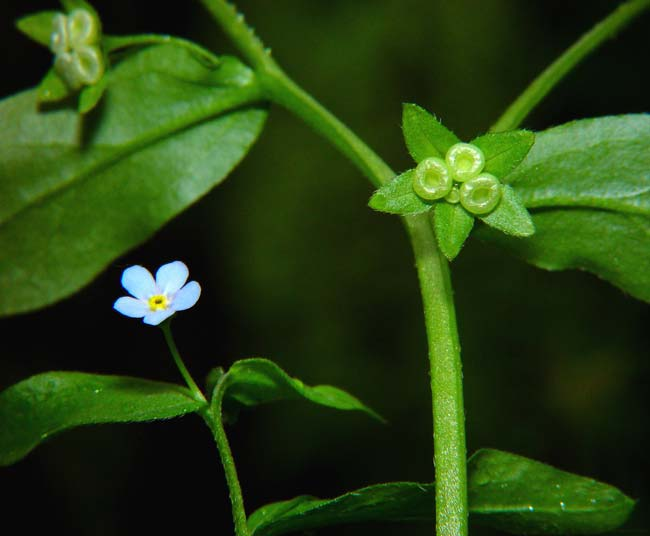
432	267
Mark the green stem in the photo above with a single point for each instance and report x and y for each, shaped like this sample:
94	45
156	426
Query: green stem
432	267
546	81
167	331
213	419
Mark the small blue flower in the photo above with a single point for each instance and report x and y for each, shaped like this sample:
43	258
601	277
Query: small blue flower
156	300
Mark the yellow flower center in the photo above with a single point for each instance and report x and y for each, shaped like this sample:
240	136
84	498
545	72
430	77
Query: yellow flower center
158	302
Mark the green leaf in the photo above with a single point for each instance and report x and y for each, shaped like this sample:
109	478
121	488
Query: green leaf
587	185
397	501
452	224
398	197
38	26
506	491
510	216
91	95
523	496
504	151
51	89
425	136
43	405
78	191
251	382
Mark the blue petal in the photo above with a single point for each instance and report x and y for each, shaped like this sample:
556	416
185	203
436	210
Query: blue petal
171	277
155	318
131	307
186	297
139	282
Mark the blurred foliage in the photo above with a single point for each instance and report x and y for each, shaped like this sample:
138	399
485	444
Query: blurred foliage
302	272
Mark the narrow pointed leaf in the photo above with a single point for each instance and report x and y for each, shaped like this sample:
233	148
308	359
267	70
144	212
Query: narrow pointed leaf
398	197
510	216
91	95
504	151
251	382
587	185
78	191
396	501
425	136
43	405
38	26
452	224
523	496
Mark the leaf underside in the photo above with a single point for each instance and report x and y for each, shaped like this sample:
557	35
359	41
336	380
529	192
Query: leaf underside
36	408
78	191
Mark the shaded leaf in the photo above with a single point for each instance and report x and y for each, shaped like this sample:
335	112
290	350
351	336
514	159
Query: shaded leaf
510	216
452	224
396	501
398	197
523	496
38	26
504	151
78	191
506	491
43	405
587	184
425	136
251	382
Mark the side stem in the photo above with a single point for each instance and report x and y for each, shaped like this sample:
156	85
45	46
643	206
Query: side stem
545	82
167	331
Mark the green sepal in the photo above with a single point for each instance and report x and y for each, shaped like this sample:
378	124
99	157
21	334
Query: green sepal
506	491
38	26
251	382
398	197
90	96
510	216
71	5
504	151
424	135
52	88
452	224
43	405
524	496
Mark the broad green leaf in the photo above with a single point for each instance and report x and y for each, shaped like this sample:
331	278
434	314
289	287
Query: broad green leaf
396	501
510	216
587	185
612	245
38	26
251	382
506	491
78	191
51	89
504	151
523	496
43	405
398	197
452	224
425	136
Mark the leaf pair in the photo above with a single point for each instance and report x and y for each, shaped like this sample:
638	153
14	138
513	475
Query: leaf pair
426	137
43	405
505	491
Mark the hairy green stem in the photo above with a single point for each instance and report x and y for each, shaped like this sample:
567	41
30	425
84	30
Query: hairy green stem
555	72
212	417
167	331
432	267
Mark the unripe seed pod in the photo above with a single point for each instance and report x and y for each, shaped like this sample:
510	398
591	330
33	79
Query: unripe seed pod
465	161
480	195
432	179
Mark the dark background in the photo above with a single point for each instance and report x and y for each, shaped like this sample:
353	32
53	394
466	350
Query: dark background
296	268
